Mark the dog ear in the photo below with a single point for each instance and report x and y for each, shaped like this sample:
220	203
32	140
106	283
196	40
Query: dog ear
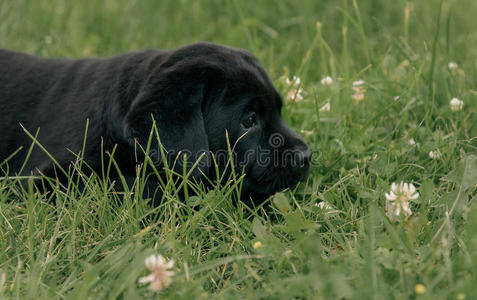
175	97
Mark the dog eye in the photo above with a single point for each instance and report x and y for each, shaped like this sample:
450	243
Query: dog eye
250	121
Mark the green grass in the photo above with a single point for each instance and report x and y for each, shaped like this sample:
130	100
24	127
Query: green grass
88	245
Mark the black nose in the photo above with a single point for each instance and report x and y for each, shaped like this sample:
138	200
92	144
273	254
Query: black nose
303	158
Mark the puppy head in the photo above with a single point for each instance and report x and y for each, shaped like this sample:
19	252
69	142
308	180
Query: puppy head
202	94
272	156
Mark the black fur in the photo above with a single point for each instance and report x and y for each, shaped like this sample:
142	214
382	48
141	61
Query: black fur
195	94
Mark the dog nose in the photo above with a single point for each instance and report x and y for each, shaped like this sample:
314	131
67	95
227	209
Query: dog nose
303	157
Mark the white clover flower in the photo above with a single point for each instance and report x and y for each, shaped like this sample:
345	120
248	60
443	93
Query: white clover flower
295	81
359	95
295	95
328	208
160	276
456	104
306	132
412	142
322	205
327	80
452	65
435	154
359	90
326	107
397	200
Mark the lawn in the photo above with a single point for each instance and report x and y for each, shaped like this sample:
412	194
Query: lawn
383	117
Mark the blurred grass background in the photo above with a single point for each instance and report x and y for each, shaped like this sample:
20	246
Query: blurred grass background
87	245
278	33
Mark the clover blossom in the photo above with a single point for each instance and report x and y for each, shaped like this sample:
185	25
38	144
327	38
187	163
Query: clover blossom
397	200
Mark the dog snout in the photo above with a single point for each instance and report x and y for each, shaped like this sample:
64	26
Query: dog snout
297	154
303	157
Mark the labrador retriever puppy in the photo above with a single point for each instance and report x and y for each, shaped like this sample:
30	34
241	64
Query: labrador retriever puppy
202	98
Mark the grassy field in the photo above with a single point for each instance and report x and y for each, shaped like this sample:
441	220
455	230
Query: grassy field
88	246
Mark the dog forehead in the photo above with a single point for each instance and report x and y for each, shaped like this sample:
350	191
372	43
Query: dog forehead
253	83
246	78
237	63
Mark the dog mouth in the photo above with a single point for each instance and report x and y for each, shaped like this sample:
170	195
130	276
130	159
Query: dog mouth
271	181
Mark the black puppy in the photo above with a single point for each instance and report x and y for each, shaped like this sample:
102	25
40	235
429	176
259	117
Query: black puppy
197	95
